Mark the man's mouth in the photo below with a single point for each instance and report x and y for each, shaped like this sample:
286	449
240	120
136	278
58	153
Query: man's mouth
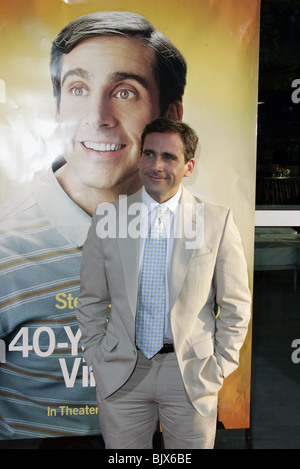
157	177
103	147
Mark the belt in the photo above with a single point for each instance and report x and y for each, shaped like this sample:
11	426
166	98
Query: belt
167	348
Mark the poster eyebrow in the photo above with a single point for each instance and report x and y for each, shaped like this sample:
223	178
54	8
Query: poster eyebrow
115	77
119	76
77	72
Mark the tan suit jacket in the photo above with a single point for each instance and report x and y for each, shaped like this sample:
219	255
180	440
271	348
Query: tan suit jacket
209	300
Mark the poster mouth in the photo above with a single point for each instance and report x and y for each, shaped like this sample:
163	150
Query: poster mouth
103	150
102	147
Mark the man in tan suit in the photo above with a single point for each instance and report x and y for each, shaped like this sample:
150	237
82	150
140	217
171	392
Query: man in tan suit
206	302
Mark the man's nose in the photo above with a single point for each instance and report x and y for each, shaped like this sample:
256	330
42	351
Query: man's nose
100	112
158	163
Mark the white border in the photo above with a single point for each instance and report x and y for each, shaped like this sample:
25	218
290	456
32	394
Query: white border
277	218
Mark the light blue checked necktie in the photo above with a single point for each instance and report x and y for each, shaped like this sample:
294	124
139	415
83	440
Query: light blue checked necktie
150	321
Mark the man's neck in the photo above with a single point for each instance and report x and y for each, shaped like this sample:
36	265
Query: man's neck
163	200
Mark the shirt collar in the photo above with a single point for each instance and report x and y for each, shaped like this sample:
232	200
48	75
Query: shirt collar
65	214
150	203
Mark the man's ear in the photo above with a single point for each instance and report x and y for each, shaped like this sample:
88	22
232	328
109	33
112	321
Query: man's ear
189	167
175	110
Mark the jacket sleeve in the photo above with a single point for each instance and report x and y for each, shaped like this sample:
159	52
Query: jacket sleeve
233	298
92	309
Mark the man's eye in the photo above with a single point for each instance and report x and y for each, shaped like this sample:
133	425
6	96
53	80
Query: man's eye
125	94
78	91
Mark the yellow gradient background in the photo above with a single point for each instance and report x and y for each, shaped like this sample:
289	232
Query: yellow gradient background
219	39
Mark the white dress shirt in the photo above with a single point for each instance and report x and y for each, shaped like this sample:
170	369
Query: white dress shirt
169	220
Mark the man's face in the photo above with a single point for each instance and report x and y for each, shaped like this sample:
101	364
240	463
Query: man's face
108	95
163	166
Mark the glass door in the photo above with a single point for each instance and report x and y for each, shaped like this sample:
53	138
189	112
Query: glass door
275	411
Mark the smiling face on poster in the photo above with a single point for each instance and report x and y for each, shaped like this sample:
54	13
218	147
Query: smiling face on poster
108	84
111	73
108	95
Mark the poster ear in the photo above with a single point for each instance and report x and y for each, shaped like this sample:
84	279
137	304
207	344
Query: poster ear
175	110
56	110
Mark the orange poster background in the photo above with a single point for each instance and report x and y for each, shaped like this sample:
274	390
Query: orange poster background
219	39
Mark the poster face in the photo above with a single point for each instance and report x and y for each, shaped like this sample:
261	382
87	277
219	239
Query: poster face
46	388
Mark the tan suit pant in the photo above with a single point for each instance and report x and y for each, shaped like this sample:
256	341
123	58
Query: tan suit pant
155	392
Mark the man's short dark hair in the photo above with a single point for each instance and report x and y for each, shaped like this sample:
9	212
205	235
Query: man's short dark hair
166	125
169	68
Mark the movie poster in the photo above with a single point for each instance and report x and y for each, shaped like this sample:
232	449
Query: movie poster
46	388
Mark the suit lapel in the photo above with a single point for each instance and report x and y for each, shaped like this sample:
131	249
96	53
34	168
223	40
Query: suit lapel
183	248
129	245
